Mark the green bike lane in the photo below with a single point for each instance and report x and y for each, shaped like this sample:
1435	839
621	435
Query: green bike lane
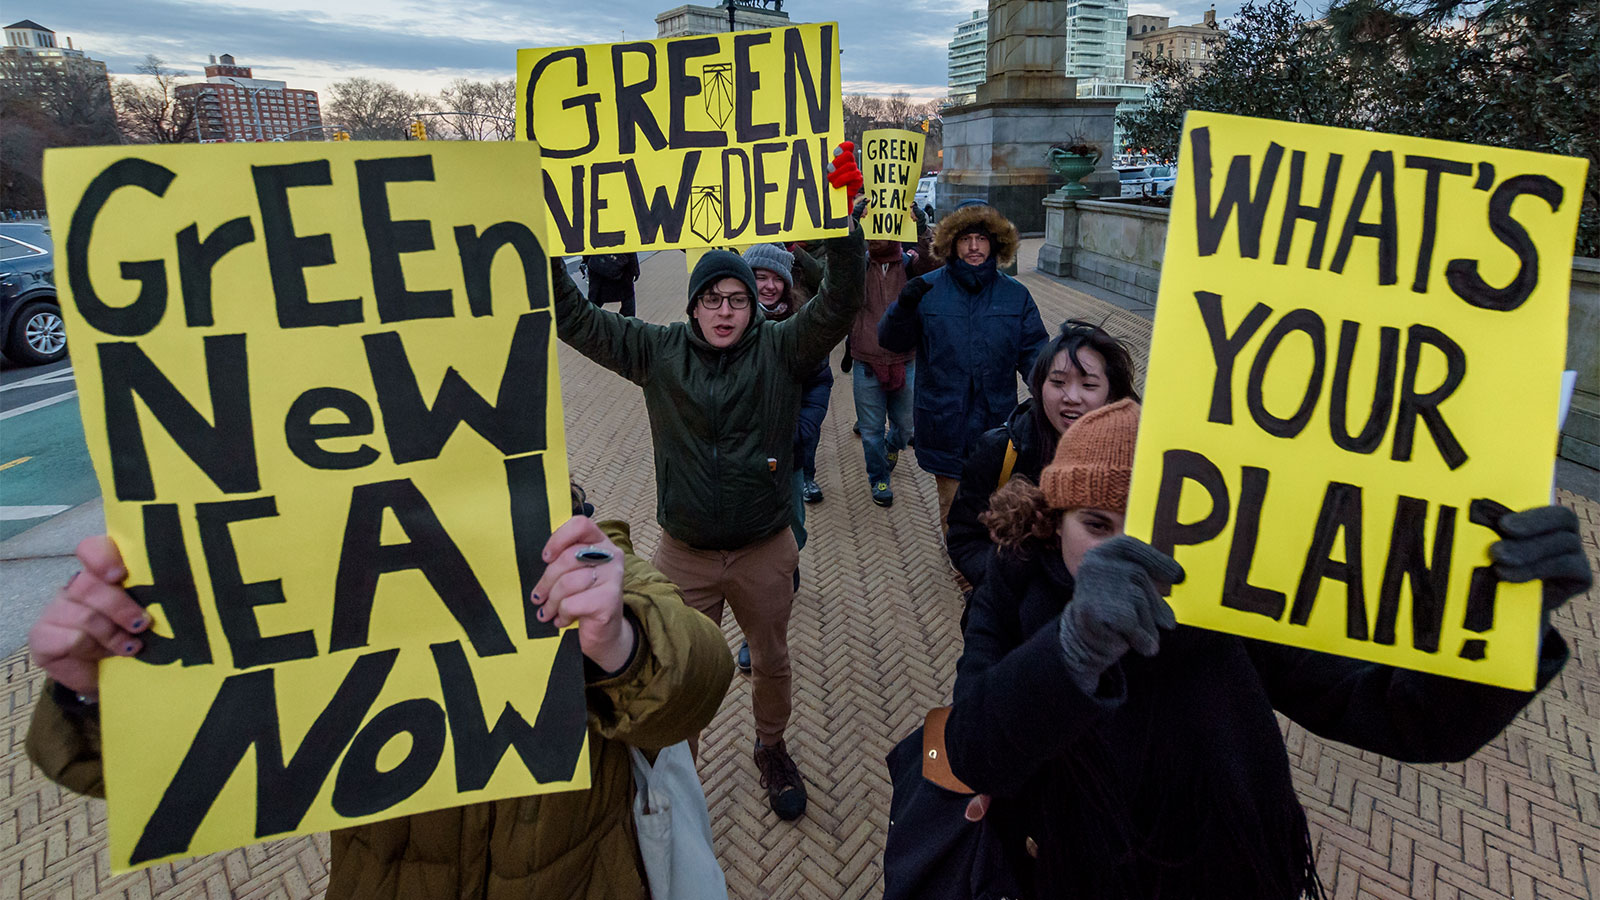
46	467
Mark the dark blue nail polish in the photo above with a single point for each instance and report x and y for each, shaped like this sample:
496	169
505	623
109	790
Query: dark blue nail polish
140	623
128	649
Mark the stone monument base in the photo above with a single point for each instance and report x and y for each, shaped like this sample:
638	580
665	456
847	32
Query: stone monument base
997	150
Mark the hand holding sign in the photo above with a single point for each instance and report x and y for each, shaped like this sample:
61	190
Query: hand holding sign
90	619
573	590
1542	544
843	171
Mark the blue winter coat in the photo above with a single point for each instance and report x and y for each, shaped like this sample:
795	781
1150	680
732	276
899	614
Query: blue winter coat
970	348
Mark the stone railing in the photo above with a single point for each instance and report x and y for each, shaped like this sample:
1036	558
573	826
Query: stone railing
1119	247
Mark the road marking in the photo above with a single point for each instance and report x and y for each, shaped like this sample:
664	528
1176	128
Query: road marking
37	404
15	462
17	513
57	377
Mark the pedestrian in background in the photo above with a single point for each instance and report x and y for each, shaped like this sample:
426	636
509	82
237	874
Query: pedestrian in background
883	381
974	329
774	268
611	277
1080	370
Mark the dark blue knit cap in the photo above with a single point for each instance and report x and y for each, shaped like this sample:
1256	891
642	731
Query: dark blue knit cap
714	266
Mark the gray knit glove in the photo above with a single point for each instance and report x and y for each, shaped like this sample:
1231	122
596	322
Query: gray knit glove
1116	606
1543	544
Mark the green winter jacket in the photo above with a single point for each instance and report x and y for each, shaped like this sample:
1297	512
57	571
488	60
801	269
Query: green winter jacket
721	421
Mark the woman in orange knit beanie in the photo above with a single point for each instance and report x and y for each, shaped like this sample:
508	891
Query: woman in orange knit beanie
1162	772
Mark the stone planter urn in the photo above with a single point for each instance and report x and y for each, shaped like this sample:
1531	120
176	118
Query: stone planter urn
1072	164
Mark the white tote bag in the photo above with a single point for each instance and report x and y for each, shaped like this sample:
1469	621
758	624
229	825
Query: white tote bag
669	808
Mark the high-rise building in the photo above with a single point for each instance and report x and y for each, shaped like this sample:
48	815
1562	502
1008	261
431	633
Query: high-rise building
32	63
969	53
1193	43
1096	38
234	105
748	15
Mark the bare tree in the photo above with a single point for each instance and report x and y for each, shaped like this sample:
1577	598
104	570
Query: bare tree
481	108
503	104
371	110
149	110
896	109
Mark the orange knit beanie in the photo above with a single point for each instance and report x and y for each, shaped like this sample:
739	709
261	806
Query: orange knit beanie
1094	460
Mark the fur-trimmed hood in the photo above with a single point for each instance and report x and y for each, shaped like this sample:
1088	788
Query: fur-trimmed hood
1002	234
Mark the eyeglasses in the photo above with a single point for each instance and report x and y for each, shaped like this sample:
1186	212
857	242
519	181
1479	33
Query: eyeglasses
713	300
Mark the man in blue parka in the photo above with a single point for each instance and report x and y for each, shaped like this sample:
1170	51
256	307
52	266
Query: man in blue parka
974	329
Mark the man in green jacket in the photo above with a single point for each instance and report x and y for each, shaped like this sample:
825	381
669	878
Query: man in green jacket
723	393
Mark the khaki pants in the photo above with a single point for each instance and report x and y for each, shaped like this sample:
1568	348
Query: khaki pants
947	495
757	581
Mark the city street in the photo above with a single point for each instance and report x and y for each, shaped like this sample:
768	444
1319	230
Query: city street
44	467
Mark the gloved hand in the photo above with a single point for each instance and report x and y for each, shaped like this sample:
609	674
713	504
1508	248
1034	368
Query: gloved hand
843	172
1116	607
848	361
1543	544
911	295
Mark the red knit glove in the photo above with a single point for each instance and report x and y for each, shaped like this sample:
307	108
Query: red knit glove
843	172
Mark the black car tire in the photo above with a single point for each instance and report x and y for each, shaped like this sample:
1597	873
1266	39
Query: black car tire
42	315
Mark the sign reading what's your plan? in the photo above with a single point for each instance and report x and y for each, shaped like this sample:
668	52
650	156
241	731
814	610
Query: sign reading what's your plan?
1354	371
691	142
318	384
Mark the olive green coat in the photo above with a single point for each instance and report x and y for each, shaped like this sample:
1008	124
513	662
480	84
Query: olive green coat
579	845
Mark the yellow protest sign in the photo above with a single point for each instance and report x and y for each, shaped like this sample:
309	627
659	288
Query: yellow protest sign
1355	366
697	141
691	256
317	383
891	163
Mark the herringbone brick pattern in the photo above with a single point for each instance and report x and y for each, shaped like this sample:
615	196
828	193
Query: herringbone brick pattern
874	643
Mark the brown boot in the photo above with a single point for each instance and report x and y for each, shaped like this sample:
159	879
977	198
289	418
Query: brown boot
786	791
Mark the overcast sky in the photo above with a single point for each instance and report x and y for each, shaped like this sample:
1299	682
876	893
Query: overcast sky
888	44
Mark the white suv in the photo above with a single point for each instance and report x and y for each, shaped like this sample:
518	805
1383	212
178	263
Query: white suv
926	196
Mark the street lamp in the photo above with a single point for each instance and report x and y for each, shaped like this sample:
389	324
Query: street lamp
255	108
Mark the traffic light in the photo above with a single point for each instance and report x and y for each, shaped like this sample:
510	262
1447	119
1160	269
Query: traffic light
419	132
341	135
924	126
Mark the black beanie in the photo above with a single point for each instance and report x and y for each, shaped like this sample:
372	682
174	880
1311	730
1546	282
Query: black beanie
714	266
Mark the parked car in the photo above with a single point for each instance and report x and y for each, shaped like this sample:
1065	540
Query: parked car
1147	181
30	315
927	196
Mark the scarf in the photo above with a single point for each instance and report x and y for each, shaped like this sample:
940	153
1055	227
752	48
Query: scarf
973	279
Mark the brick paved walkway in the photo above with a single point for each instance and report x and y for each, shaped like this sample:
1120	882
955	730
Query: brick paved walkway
874	643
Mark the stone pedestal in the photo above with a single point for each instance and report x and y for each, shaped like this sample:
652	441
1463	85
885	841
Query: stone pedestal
997	151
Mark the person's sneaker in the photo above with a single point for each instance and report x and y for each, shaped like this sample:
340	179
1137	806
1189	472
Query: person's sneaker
881	494
894	458
743	659
786	791
811	492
